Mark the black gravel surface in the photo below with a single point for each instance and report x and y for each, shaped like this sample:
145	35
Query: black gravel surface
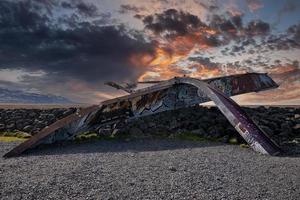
153	169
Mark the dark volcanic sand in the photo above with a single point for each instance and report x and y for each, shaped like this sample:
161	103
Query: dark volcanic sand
152	169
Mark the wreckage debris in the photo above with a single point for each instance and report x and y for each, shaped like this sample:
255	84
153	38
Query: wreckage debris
172	94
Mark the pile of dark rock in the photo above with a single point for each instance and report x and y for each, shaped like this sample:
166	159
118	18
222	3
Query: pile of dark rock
281	124
31	120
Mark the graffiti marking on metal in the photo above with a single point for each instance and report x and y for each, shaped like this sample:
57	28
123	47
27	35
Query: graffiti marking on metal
166	95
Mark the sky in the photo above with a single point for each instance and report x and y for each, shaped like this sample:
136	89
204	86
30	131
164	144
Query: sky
71	47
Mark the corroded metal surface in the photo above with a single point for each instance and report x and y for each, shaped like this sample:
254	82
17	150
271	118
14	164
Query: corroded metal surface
172	94
167	95
252	134
68	123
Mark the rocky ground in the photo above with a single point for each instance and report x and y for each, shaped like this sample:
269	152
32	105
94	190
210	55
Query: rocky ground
31	120
281	124
148	169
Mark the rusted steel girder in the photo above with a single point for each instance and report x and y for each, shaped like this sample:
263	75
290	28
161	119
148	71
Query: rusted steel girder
252	134
64	127
166	95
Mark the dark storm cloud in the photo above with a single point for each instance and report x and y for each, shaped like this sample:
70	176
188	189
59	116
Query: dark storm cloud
127	8
233	25
172	22
205	61
236	48
227	28
232	28
81	6
281	42
248	41
18	16
227	25
85	51
258	27
294	31
237	21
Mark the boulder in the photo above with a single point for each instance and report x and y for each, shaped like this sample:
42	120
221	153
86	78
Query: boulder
215	131
142	125
28	128
35	130
286	127
225	139
221	120
104	131
272	125
267	130
174	124
135	132
68	112
2	127
32	114
40	124
284	133
10	127
43	116
58	113
151	125
200	132
297	127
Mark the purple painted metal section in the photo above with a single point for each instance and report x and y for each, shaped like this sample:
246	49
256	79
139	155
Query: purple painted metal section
252	134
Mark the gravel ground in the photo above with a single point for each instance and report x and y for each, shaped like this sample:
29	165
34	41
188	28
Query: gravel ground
148	170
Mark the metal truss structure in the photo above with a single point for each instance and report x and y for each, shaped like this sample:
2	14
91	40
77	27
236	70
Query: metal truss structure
165	95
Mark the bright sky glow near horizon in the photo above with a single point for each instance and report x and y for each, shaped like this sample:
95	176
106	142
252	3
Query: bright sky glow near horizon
71	47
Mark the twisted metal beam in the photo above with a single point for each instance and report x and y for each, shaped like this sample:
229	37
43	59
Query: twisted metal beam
129	106
66	125
252	134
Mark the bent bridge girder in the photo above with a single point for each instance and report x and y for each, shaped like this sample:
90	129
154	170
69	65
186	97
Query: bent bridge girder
252	134
89	117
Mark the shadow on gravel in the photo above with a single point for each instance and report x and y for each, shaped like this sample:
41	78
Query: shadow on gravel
117	146
290	151
134	146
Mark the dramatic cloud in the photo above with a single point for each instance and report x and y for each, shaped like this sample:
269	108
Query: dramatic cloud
295	32
70	47
85	51
205	62
258	27
83	8
177	35
130	8
229	26
181	33
173	22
